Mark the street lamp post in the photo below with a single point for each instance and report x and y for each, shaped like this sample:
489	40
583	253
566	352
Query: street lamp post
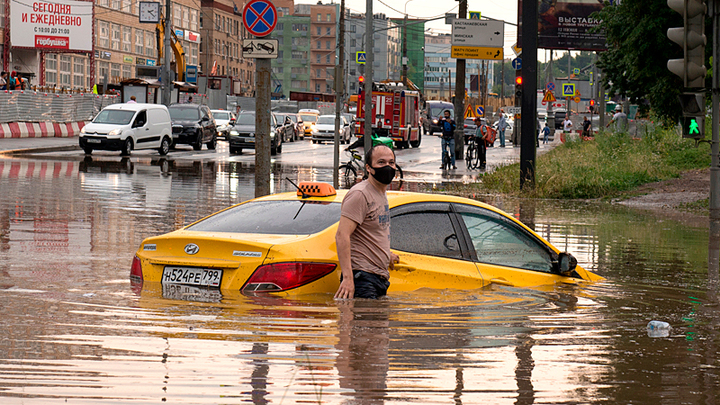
404	47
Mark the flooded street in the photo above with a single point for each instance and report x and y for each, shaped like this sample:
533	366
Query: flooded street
74	331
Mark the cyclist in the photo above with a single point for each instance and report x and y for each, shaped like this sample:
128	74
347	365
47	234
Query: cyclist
448	136
481	137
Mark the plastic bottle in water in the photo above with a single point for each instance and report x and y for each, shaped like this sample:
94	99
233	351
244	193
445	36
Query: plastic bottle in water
658	329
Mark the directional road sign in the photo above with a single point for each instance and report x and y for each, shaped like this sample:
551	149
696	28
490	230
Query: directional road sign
550	86
568	89
260	48
259	17
479	111
475	52
517	63
483	33
360	57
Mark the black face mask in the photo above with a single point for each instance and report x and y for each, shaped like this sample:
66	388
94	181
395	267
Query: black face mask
384	174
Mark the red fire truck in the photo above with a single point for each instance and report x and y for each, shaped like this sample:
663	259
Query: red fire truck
395	114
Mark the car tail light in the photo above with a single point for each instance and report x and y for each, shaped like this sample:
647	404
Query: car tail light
136	276
285	276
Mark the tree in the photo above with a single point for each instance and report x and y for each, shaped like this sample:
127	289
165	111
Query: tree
635	63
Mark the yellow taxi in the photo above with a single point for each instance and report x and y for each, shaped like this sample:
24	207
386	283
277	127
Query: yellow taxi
284	244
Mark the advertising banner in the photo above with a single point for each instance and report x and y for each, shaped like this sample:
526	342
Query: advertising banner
56	25
567	24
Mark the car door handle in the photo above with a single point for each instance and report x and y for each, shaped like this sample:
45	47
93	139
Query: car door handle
147	129
404	267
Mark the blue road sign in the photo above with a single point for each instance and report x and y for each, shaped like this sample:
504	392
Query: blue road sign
259	17
568	89
550	86
480	111
517	63
191	73
360	57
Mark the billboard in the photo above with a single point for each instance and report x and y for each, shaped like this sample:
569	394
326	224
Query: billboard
56	25
567	24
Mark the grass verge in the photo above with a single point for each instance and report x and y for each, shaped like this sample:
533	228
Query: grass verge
605	167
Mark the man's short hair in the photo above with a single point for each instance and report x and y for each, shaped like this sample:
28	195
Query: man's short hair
369	154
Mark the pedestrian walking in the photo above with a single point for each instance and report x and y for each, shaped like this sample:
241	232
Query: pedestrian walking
3	81
619	119
447	124
567	125
12	81
133	100
546	134
586	127
481	137
363	234
502	125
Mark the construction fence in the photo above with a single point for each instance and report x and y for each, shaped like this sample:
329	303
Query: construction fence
35	106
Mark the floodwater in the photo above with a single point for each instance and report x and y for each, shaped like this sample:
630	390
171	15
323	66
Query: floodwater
73	330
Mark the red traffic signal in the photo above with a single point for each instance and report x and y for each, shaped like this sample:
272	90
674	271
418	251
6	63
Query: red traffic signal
362	79
518	81
592	103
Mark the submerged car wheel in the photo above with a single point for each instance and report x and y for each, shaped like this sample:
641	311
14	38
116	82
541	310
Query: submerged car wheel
127	147
164	146
198	142
88	151
236	151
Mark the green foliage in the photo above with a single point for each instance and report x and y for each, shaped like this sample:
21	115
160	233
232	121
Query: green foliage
635	64
605	167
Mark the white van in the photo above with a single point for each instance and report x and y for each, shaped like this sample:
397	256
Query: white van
129	126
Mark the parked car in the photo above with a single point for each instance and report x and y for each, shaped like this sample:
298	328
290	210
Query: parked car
125	127
193	124
285	244
324	129
288	127
224	120
242	134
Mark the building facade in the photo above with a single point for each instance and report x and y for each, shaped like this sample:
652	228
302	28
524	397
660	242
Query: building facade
414	34
291	70
323	43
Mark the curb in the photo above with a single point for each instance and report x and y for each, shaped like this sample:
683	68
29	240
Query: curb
40	129
30	151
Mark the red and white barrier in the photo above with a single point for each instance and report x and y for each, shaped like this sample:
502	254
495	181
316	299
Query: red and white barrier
33	169
40	129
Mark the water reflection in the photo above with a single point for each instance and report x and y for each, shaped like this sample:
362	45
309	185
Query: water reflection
72	329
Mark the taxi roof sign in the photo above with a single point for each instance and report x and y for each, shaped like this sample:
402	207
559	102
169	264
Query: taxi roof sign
315	189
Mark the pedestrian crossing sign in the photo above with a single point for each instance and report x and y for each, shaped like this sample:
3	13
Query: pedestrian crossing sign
360	57
475	15
568	89
549	97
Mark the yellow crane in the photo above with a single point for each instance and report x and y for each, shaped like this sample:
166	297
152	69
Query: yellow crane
177	50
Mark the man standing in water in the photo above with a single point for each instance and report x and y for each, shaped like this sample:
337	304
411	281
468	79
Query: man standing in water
363	235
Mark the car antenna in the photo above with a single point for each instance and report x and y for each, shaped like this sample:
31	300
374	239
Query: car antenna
299	189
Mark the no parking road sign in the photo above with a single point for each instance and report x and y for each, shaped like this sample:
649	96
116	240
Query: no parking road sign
260	17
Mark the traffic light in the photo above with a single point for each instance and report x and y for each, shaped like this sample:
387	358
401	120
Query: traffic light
691	37
518	86
693	127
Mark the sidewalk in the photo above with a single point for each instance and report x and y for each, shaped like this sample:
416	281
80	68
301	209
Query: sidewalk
37	145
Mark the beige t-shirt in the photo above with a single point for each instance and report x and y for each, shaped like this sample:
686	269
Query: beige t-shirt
370	243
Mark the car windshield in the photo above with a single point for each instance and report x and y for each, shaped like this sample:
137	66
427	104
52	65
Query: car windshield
115	117
291	217
221	116
184	114
438	111
469	121
326	120
245	119
309	117
293	118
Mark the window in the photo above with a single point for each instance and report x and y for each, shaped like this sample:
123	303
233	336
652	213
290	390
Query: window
185	17
327	58
318	17
103	70
193	19
317	87
193	54
176	14
278	27
104	35
328	31
319	31
114	70
104	3
300	27
499	241
298	54
319	45
78	72
327	44
425	232
277	69
127	71
298	70
51	68
351	28
139	41
149	44
280	54
298	84
318	58
127	39
353	43
125	4
115	4
318	73
115	40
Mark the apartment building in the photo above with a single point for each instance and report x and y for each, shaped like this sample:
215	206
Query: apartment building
323	38
291	70
386	49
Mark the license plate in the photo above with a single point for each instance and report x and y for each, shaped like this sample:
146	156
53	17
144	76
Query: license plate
251	140
192	276
91	140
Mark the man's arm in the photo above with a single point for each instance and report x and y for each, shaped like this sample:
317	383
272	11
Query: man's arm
342	241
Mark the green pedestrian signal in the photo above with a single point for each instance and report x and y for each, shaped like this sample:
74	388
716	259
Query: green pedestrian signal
694	127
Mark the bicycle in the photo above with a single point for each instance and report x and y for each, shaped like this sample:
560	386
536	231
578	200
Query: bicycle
446	159
472	155
355	165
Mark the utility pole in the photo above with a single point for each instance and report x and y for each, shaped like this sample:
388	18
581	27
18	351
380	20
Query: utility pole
404	50
339	94
550	113
714	249
167	74
528	134
369	59
567	100
502	82
460	94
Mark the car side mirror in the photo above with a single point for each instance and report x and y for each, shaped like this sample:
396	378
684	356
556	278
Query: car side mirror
566	264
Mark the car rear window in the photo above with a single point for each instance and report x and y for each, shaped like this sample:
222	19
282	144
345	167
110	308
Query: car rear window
221	115
273	217
184	114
